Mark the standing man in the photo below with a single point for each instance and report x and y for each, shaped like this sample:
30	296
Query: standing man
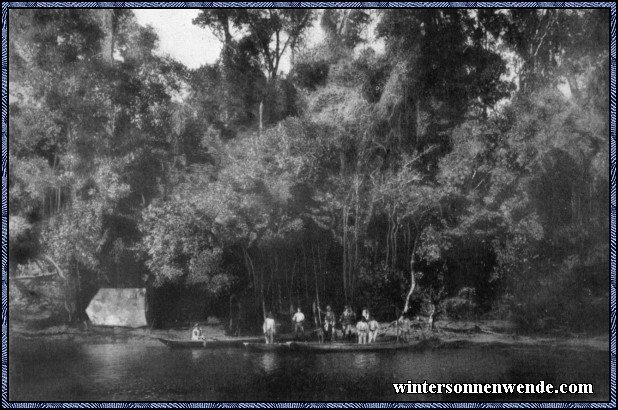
373	326
348	319
269	328
329	323
362	329
403	328
298	319
196	333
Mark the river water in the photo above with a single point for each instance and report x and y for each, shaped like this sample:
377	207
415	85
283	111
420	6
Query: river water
61	371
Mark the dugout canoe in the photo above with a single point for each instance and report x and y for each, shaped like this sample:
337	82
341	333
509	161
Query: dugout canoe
205	344
263	347
349	347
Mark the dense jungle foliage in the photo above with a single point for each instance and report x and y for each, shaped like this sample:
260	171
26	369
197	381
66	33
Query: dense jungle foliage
455	158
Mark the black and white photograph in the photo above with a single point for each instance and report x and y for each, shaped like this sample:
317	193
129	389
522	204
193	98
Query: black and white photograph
302	205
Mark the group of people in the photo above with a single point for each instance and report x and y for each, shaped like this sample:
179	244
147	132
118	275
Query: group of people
366	327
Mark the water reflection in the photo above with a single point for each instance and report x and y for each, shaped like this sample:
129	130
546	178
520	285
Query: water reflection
269	362
105	362
102	355
366	360
70	372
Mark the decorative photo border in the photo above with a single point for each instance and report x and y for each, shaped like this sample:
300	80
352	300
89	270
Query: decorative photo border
612	45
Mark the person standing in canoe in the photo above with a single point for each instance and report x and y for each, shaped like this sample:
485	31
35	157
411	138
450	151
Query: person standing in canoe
373	327
329	323
362	329
196	332
298	319
348	319
403	328
269	328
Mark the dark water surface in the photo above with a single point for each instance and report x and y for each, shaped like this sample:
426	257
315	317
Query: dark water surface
60	371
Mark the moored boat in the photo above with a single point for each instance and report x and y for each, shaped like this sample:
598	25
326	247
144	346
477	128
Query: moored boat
349	347
264	347
205	344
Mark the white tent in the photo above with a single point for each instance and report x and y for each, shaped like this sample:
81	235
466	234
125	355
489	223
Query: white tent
118	307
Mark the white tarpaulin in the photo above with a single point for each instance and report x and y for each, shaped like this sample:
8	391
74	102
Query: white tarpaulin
118	307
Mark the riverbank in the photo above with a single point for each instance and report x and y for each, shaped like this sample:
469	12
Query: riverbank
447	334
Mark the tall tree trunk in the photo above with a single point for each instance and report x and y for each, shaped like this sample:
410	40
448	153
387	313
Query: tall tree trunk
417	120
232	323
291	287
394	240
306	283
388	239
226	62
406	306
280	299
408	241
357	184
320	271
262	293
345	252
248	268
261	124
317	291
271	288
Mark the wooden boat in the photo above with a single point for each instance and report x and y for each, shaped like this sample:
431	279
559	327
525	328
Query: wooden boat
206	344
349	347
263	347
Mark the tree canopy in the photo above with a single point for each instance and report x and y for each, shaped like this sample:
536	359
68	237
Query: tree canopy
408	156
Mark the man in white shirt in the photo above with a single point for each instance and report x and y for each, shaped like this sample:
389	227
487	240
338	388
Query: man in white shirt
196	333
374	327
362	329
269	328
298	319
